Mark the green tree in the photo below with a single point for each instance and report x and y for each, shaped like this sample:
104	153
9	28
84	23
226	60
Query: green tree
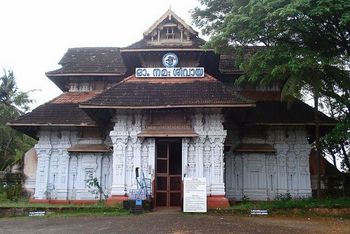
13	103
305	44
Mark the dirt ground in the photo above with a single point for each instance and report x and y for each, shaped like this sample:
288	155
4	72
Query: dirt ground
174	222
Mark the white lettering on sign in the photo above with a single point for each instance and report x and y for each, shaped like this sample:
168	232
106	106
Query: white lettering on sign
195	194
170	72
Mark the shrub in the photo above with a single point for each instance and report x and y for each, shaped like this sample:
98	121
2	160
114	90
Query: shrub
13	192
284	197
245	199
11	186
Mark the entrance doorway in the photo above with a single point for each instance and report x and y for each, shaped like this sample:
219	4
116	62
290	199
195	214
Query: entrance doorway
168	173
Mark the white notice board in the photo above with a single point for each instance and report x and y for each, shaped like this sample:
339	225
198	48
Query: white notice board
195	194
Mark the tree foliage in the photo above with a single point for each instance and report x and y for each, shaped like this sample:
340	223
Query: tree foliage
304	44
13	103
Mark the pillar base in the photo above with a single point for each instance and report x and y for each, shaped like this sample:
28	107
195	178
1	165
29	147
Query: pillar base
33	200
117	199
218	201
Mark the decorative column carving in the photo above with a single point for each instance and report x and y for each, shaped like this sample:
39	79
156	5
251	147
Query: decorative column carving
191	164
199	155
119	137
302	151
216	135
185	143
62	180
282	149
151	156
135	128
207	162
205	156
144	159
43	150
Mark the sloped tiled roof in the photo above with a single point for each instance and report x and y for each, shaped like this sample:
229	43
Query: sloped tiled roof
105	60
230	61
261	95
167	93
62	111
278	113
74	97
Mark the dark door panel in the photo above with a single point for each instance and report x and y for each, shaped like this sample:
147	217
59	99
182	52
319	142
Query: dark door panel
168	173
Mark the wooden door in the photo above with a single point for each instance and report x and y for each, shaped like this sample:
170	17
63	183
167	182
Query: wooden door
168	173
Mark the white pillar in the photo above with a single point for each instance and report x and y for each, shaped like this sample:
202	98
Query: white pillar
43	150
185	142
216	135
119	137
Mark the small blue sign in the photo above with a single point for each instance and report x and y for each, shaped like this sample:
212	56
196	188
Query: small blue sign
138	202
170	60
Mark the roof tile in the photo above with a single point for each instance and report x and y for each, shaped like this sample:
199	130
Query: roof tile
167	93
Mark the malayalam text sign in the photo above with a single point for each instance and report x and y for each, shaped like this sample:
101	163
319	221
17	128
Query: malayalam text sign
170	72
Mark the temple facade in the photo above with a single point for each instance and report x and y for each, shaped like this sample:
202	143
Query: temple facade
164	109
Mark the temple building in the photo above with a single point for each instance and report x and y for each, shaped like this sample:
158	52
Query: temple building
166	108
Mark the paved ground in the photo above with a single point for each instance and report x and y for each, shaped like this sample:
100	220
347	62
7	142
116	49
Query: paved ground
171	222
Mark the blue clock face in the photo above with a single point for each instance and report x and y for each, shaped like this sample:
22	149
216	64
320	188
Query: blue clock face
170	60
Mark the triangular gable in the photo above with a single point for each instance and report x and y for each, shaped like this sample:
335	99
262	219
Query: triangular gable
170	15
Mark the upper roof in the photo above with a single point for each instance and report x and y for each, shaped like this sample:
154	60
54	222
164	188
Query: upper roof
167	93
90	61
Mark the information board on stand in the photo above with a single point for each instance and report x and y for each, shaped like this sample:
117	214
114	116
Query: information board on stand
195	194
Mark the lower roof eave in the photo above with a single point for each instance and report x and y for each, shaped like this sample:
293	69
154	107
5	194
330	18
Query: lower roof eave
49	124
166	49
82	74
293	124
166	107
160	135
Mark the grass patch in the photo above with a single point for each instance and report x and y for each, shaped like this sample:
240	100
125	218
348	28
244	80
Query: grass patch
294	203
89	211
24	203
23	207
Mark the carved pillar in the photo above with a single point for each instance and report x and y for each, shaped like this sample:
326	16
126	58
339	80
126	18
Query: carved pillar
191	164
144	159
196	160
151	156
185	144
217	186
43	150
216	135
199	155
302	152
119	137
137	144
207	163
282	149
62	185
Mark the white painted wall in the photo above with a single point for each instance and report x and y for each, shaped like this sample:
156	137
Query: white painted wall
263	176
61	175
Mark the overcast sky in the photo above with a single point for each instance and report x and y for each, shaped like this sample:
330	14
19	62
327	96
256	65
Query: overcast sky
35	34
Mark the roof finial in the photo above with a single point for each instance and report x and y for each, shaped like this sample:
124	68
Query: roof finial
169	12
